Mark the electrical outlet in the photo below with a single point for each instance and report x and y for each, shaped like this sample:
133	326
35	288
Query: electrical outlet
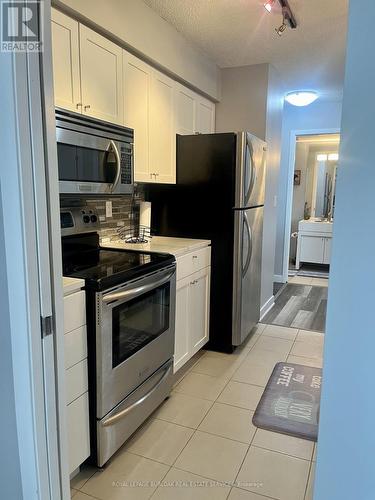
108	209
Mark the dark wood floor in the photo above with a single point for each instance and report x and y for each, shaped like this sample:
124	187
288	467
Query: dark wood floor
300	306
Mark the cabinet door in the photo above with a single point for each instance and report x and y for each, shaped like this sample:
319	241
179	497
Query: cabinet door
182	341
199	309
312	249
65	55
185	110
162	130
205	116
327	250
137	87
101	76
78	431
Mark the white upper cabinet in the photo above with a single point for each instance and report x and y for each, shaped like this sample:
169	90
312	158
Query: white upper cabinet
137	89
96	77
205	116
65	53
185	110
162	130
101	76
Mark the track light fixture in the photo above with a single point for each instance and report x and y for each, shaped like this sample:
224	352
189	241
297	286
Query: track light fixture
268	5
280	30
288	16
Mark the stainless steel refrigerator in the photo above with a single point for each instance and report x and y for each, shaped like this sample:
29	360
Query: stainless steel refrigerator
219	195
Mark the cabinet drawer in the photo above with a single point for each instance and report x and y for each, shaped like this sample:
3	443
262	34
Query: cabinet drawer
75	344
76	381
78	431
193	262
74	311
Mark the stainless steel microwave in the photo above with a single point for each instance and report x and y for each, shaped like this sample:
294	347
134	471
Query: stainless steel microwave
94	157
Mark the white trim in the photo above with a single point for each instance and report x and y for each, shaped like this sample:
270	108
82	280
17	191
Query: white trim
289	195
278	278
267	307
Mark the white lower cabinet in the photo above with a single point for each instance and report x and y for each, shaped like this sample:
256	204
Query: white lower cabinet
76	379
314	247
192	307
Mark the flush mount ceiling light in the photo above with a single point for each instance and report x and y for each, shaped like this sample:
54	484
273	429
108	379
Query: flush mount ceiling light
321	157
301	97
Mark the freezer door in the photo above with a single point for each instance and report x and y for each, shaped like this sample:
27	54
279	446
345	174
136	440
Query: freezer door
247	272
250	171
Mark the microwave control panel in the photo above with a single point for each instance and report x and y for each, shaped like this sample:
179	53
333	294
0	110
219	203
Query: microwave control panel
126	164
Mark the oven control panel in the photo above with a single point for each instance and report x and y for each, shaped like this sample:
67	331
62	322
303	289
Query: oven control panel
78	220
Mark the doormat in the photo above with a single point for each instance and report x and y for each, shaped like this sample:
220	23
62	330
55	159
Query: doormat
290	402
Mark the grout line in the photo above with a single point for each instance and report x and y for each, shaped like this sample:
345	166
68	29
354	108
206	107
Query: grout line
308	479
280	452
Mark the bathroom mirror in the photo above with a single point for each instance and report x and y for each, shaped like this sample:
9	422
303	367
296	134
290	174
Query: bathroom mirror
323	179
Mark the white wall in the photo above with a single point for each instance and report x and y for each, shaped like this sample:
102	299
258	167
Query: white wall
252	100
346	466
143	30
317	116
244	100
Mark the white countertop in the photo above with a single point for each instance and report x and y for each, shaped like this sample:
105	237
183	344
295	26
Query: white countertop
71	285
162	244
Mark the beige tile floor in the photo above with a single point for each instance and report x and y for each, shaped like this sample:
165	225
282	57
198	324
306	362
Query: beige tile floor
201	444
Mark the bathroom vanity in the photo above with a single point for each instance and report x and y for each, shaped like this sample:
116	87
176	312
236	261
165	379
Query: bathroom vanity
314	241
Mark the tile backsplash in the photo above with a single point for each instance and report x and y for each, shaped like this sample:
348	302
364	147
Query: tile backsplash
125	212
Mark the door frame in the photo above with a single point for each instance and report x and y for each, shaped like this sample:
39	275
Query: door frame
289	194
31	241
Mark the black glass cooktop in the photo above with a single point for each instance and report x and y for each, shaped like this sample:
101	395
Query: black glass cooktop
103	268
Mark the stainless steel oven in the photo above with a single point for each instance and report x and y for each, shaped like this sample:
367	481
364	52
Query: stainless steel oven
134	355
93	156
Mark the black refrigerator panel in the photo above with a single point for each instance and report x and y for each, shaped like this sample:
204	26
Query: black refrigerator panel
200	206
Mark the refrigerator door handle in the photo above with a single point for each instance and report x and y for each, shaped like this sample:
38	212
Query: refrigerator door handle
250	250
251	165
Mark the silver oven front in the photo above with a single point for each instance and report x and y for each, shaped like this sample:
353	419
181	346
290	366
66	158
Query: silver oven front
134	335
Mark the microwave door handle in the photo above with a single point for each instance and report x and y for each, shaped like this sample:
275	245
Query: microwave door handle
121	414
128	294
118	173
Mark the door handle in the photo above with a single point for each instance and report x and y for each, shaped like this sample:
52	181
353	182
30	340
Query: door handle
118	162
121	414
128	294
250	251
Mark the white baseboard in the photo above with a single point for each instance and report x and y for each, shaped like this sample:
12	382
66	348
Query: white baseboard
267	307
278	278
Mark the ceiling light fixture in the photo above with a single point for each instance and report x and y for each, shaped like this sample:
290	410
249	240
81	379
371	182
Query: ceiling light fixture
321	157
268	5
301	97
333	157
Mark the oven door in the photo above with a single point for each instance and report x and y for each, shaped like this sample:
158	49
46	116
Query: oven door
134	335
87	163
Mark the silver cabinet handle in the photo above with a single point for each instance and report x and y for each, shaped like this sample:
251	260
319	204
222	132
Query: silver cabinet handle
121	414
86	107
78	105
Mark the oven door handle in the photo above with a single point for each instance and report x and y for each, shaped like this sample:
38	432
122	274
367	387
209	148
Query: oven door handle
118	173
132	292
121	414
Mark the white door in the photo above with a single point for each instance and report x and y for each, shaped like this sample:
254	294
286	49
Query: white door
162	130
182	341
65	53
327	250
101	77
312	249
205	116
186	101
199	309
137	88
